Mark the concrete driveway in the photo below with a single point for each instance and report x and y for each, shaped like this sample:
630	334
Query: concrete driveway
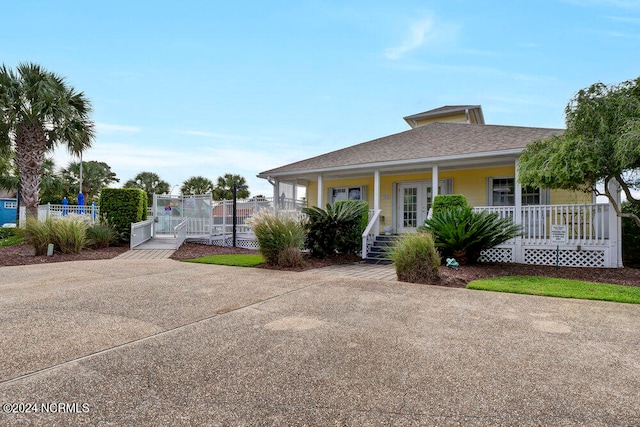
158	342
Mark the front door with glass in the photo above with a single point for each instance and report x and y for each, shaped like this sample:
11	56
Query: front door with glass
413	203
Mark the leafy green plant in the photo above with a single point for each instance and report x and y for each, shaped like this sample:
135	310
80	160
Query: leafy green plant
102	234
11	236
443	202
280	238
336	228
416	258
462	233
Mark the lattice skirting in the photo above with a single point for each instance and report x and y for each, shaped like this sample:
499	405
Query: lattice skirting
497	255
567	258
240	242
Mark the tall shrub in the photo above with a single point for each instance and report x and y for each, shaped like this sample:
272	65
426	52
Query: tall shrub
443	202
463	233
336	228
416	258
123	206
280	238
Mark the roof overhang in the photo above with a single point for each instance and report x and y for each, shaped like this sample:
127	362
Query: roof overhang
458	161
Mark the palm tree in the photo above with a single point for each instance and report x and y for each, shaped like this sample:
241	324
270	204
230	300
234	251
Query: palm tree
224	187
38	111
95	177
9	180
197	185
150	183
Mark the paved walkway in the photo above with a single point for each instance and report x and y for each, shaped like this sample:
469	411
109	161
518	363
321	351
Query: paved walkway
361	270
160	342
146	254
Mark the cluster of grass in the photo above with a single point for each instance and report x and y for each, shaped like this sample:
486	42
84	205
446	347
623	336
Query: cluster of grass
11	236
68	235
416	258
562	288
280	238
236	260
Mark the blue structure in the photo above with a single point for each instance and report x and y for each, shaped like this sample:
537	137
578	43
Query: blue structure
8	211
81	203
65	204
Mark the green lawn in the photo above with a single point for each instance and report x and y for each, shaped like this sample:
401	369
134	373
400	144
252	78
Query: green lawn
237	260
562	288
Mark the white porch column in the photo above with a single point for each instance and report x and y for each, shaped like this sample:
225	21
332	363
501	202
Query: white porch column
376	198
518	254
276	196
615	228
434	183
320	192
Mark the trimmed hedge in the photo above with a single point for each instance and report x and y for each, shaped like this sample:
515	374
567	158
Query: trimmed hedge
123	206
443	202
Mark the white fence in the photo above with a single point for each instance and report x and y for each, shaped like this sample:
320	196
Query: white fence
90	212
141	232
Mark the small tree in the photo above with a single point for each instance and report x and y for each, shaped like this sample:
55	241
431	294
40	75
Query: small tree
197	185
95	177
224	187
601	145
39	110
150	183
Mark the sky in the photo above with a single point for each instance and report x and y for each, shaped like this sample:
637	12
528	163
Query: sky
210	87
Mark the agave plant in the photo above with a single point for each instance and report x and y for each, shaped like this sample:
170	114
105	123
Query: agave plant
463	233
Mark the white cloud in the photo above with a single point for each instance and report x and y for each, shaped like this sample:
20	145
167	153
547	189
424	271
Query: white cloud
426	32
214	135
106	127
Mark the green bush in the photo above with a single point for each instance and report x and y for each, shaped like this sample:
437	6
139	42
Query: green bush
102	234
11	236
68	235
462	233
280	238
443	202
123	206
630	236
416	258
337	228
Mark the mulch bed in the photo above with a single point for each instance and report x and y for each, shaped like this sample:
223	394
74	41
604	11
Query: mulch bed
23	255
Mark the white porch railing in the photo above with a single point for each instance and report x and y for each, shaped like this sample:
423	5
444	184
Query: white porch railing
591	236
586	224
372	230
141	232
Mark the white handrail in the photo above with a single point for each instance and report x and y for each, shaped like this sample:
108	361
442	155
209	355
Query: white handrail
180	232
140	232
372	230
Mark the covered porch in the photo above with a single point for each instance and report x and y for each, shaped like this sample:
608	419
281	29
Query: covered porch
400	197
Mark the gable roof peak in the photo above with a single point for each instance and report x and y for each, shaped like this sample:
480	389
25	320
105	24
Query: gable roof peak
472	114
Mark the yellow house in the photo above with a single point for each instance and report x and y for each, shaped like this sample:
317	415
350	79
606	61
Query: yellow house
451	150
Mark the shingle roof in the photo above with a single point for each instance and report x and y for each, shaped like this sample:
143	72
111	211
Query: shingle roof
426	142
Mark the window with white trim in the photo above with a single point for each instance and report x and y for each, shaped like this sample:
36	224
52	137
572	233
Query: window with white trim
501	192
347	193
10	205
